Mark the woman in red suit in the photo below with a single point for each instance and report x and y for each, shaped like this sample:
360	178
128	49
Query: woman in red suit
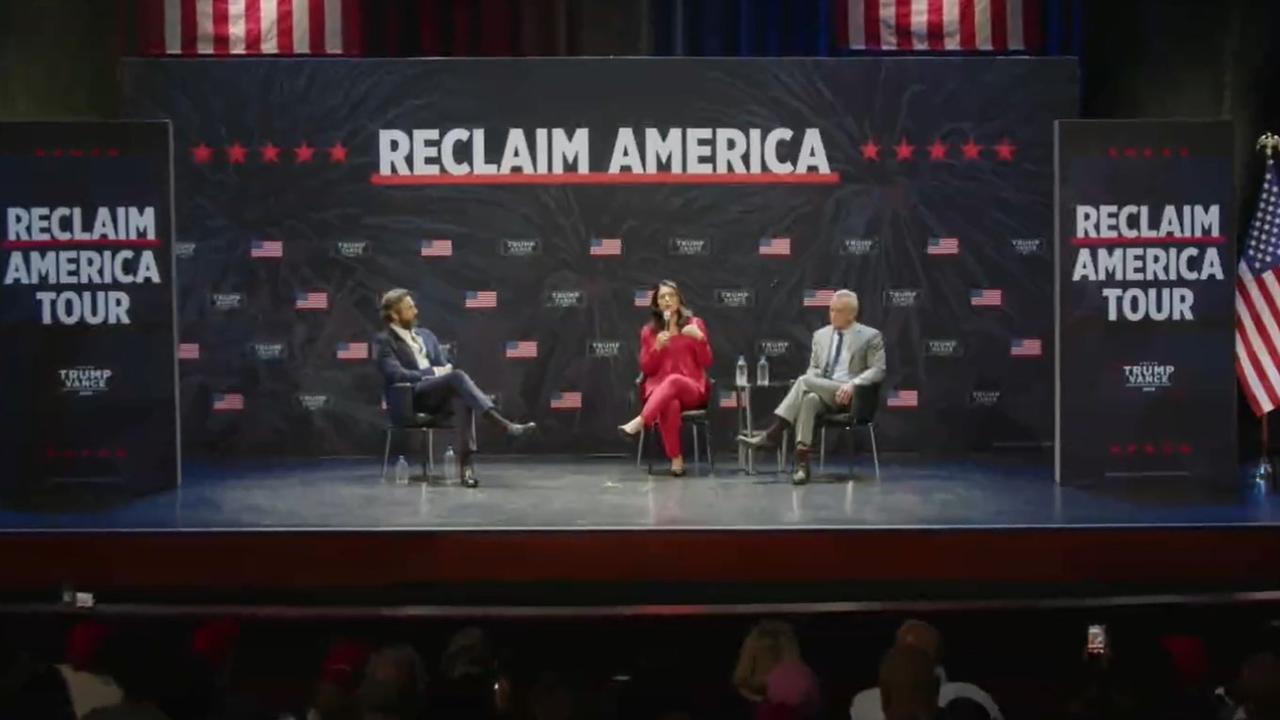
674	357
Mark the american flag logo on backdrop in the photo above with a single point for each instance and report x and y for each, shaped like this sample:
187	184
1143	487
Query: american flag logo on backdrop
266	249
228	402
986	297
251	27
436	248
606	246
943	246
939	25
311	301
903	399
1257	294
729	399
776	247
566	401
521	349
353	351
482	299
188	351
643	297
818	298
1025	347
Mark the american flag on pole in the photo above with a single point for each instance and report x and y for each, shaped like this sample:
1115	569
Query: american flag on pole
311	301
777	247
1024	347
251	27
643	297
521	349
903	399
266	249
353	351
228	402
1257	300
986	297
566	401
818	298
939	25
943	246
601	247
436	248
188	351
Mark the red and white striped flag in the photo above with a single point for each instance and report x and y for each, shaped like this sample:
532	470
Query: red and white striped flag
251	27
1257	300
940	25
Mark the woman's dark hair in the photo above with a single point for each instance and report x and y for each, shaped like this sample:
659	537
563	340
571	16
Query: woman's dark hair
685	313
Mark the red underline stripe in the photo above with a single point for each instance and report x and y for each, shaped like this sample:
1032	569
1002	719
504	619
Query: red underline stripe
1194	240
600	178
38	244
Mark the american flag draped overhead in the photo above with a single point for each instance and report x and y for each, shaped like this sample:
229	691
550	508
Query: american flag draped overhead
940	25
1258	302
251	27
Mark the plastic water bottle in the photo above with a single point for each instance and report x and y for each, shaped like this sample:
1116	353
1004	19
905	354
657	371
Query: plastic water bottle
741	377
450	465
402	471
762	371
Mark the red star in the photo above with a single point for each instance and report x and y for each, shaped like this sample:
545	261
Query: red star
57	152
1146	152
1167	152
1149	449
938	151
201	154
236	153
338	153
870	150
113	152
1113	152
1131	152
303	153
1005	150
1115	449
39	152
270	153
1184	152
971	150
905	149
95	152
77	152
1185	449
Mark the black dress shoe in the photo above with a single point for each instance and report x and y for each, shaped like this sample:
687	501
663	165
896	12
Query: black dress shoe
469	479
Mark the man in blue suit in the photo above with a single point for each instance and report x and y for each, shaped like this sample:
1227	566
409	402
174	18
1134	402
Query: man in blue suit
409	354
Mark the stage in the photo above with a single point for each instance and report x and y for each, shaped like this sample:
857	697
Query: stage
541	493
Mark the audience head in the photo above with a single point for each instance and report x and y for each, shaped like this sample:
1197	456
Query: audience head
843	310
793	684
394	686
398	308
469	654
769	643
922	635
909	684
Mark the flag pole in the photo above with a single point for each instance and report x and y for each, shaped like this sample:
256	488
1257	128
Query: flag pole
1263	475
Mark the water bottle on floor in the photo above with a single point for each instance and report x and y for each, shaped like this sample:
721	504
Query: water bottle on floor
402	471
762	371
741	377
450	465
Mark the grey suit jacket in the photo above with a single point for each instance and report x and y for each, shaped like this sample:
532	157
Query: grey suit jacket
866	363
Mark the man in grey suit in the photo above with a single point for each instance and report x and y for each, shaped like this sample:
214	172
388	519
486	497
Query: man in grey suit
845	354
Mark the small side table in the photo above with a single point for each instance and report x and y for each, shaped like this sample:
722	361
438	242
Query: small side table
772	392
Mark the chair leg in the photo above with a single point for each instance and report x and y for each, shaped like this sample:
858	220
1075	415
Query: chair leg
822	449
696	461
711	456
431	452
426	445
640	447
386	454
875	454
853	448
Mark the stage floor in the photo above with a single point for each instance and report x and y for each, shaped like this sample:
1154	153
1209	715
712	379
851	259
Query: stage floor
539	493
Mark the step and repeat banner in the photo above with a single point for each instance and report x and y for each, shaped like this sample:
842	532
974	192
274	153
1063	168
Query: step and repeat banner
530	205
87	322
1146	273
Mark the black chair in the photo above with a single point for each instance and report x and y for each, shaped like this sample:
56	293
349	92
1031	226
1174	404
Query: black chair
866	400
699	418
401	417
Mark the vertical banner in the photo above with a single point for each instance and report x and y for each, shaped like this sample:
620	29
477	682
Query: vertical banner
87	309
1145	287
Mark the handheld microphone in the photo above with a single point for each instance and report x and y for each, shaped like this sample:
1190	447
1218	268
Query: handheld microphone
666	317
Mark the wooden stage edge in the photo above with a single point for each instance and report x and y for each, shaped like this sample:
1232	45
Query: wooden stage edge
818	565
